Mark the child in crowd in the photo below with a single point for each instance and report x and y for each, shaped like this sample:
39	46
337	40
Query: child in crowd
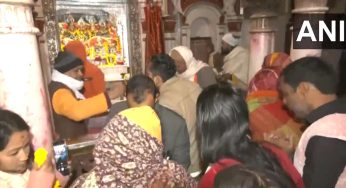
141	93
129	149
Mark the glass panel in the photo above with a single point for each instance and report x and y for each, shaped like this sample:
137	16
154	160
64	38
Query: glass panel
101	26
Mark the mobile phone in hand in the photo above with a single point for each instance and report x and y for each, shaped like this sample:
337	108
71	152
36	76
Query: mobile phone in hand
61	157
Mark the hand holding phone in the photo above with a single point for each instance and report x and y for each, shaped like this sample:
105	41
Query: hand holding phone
61	157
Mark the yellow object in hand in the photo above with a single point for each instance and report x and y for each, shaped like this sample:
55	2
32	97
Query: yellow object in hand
40	156
57	184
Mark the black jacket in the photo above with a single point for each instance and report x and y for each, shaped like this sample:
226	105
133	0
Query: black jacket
325	157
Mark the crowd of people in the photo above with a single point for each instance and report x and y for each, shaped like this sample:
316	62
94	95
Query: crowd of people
184	125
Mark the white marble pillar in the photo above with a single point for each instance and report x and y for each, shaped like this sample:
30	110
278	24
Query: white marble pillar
262	40
307	7
22	89
178	28
170	41
261	44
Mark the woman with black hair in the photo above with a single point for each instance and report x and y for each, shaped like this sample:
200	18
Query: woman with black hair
15	146
224	137
240	176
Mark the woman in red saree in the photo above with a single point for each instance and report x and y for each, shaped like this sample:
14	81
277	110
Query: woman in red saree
267	112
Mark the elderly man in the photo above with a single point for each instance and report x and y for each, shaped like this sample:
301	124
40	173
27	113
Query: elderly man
179	95
235	61
192	69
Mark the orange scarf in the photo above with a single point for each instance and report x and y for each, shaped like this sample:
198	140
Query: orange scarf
94	79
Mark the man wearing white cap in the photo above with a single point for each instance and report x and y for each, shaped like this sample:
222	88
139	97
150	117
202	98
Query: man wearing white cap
236	58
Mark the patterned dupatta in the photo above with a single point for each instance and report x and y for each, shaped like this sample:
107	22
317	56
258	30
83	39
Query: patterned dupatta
267	114
266	108
127	156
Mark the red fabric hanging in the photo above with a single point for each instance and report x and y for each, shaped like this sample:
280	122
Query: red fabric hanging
154	42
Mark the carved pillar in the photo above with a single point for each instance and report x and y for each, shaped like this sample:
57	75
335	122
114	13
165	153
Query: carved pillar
178	26
262	40
21	82
51	29
307	7
136	62
185	35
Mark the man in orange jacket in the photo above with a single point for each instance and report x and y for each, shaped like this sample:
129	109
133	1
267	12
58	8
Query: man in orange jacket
70	107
